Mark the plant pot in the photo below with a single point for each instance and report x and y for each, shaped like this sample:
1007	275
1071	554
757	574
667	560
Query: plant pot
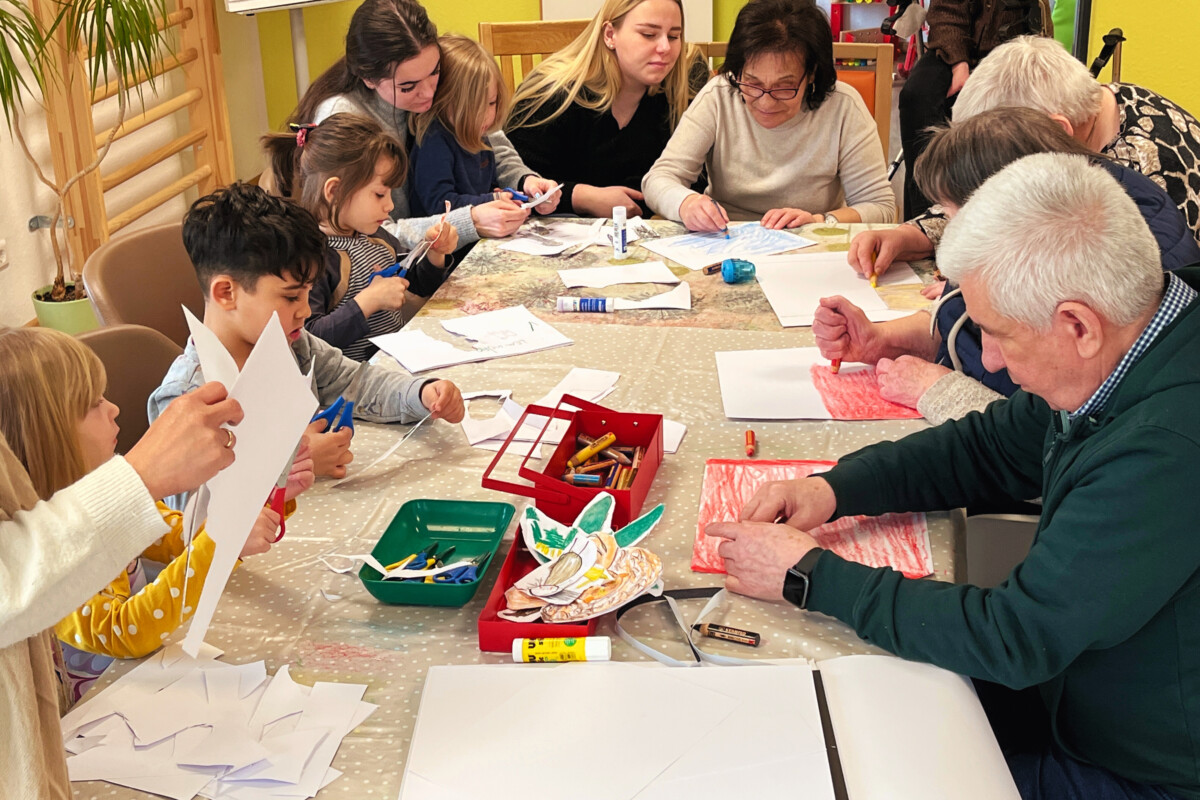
68	316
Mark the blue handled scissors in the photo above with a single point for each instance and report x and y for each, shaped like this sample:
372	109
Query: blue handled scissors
340	413
467	573
400	268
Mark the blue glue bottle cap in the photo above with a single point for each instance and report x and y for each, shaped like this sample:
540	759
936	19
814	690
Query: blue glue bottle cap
736	270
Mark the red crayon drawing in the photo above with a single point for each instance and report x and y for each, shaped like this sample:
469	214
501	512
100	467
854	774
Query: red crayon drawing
854	395
900	541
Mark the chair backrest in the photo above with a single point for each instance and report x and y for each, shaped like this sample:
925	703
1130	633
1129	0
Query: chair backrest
513	42
142	278
136	358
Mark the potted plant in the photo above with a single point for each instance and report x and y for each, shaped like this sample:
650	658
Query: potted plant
43	45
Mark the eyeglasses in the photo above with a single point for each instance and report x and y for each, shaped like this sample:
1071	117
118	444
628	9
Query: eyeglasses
755	92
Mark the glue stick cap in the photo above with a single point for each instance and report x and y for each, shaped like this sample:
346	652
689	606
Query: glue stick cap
597	648
619	213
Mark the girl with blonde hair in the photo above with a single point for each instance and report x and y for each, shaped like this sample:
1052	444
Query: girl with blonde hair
452	160
54	416
597	113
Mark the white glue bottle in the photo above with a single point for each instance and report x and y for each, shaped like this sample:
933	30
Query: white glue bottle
620	247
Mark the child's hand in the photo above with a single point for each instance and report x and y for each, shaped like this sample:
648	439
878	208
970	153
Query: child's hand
535	186
301	478
444	401
262	535
443	239
330	451
382	294
498	218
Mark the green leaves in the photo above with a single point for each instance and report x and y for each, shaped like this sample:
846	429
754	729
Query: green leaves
122	36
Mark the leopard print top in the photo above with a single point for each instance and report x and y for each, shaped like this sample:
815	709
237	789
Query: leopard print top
1162	141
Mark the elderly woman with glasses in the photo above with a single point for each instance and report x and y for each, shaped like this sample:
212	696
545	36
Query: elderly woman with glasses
783	141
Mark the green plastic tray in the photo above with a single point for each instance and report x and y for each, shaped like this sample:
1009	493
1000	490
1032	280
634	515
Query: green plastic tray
474	528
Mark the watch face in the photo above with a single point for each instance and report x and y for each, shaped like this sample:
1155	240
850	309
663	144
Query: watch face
795	588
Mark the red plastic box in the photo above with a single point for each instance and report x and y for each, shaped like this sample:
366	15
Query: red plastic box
563	501
496	635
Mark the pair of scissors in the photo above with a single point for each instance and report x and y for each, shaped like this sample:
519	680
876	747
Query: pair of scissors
278	500
422	558
467	573
340	413
436	561
402	265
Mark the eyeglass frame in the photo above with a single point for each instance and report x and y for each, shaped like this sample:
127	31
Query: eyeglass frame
764	92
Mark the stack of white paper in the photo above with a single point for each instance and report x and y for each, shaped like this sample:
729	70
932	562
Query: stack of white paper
179	727
599	277
795	284
506	332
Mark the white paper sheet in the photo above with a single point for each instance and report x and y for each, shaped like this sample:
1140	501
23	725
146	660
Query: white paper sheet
746	240
794	285
537	201
495	334
542	236
679	298
277	403
673	433
599	277
778	384
670	731
909	731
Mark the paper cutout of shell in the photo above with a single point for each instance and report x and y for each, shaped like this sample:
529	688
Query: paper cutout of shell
547	538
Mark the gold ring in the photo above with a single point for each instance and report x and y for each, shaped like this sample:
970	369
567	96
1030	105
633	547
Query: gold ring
230	440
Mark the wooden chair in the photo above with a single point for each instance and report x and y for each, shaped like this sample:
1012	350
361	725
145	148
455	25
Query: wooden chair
512	42
143	278
136	358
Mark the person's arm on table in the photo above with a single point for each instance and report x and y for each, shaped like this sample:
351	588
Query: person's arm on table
874	251
862	169
842	331
1097	573
667	186
953	396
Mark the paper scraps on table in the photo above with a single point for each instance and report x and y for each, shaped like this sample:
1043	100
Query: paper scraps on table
599	277
277	404
698	250
679	298
354	474
587	569
495	334
343	563
794	285
900	541
543	236
178	727
796	383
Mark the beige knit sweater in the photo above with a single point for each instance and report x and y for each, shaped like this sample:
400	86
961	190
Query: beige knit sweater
53	556
816	161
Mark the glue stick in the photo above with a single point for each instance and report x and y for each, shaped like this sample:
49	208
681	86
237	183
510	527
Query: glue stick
603	305
583	648
620	246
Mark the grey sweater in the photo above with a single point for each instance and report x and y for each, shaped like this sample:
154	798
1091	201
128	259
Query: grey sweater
411	231
816	161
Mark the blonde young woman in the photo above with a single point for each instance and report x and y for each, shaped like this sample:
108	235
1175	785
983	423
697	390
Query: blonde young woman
597	113
58	547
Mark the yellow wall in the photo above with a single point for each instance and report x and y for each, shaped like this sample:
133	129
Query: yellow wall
325	28
1162	38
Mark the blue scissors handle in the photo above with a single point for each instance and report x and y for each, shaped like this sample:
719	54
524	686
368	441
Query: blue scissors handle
394	271
340	414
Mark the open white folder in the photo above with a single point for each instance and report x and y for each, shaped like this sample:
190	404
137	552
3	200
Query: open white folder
619	731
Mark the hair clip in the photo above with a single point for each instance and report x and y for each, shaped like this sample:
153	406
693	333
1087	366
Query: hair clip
301	130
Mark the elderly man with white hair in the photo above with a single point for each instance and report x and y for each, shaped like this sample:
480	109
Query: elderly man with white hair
1103	615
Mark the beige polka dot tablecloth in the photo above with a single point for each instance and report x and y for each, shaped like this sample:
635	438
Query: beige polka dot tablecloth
285	607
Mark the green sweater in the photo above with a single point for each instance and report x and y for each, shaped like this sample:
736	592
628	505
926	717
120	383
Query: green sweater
1104	613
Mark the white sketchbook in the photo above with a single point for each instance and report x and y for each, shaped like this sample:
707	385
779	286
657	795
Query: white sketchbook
903	731
794	285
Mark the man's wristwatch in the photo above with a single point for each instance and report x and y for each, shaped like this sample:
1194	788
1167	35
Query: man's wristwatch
797	584
830	219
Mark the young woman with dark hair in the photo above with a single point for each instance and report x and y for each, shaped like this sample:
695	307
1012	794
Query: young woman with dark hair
783	141
390	71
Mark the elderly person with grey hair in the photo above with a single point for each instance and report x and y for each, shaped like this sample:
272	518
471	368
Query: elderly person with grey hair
1135	127
1103	616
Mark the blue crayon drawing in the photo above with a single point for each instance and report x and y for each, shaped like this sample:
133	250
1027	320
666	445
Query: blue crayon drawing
750	239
